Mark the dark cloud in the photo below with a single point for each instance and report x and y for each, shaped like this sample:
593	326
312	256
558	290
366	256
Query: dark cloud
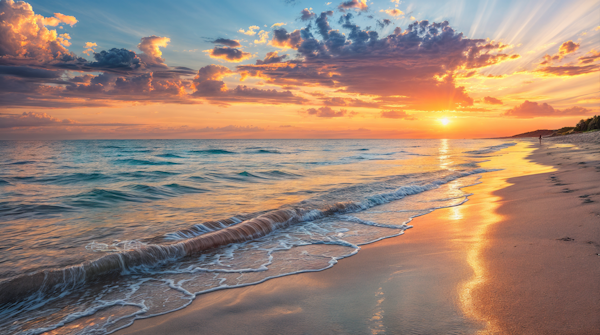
348	102
281	38
529	109
492	101
271	57
227	42
415	68
328	112
383	23
323	24
306	14
229	54
120	59
396	115
29	72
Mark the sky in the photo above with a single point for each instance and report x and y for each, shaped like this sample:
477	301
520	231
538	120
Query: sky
295	68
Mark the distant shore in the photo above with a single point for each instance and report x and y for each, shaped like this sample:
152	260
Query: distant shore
520	257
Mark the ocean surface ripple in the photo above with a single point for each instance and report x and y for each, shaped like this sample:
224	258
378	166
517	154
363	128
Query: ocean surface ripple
97	234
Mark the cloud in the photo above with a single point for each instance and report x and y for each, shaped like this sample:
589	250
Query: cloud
250	32
208	84
392	11
263	37
590	57
348	102
70	20
492	101
89	48
271	57
306	14
31	119
583	66
229	54
29	72
282	39
383	23
278	24
568	70
150	46
415	68
24	37
58	19
360	5
565	49
227	42
529	109
116	59
397	115
328	112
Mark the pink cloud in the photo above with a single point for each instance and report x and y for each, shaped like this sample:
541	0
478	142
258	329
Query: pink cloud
530	109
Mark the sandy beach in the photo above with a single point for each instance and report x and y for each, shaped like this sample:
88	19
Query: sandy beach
520	257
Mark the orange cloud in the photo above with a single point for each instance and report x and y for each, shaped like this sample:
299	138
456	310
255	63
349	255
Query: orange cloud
360	5
150	46
89	48
565	49
250	32
58	19
24	35
590	57
392	12
397	115
492	101
67	19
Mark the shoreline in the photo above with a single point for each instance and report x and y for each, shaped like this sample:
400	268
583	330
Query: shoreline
442	276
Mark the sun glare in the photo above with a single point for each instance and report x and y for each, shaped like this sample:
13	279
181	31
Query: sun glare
444	121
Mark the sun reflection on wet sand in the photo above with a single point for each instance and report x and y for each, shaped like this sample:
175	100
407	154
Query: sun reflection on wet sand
483	213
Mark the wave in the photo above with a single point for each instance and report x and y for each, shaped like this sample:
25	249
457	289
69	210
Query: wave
10	210
135	193
491	149
266	151
106	198
130	161
21	163
67	179
213	152
198	239
147	174
278	174
3	182
169	156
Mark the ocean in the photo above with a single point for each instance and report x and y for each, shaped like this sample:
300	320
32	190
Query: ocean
99	233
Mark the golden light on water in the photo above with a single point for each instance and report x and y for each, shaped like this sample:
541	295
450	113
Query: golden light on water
484	211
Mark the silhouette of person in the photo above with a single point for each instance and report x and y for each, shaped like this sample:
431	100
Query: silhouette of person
540	139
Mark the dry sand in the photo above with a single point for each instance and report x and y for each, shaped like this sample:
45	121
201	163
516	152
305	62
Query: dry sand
521	257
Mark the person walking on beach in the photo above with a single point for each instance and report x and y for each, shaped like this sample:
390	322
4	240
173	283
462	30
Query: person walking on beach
540	139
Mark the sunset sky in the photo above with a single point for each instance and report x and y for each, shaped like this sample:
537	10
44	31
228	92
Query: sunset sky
296	69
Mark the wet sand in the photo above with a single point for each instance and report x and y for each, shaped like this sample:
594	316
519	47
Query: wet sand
495	265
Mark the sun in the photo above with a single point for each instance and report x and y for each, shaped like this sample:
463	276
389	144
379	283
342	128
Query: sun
444	121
